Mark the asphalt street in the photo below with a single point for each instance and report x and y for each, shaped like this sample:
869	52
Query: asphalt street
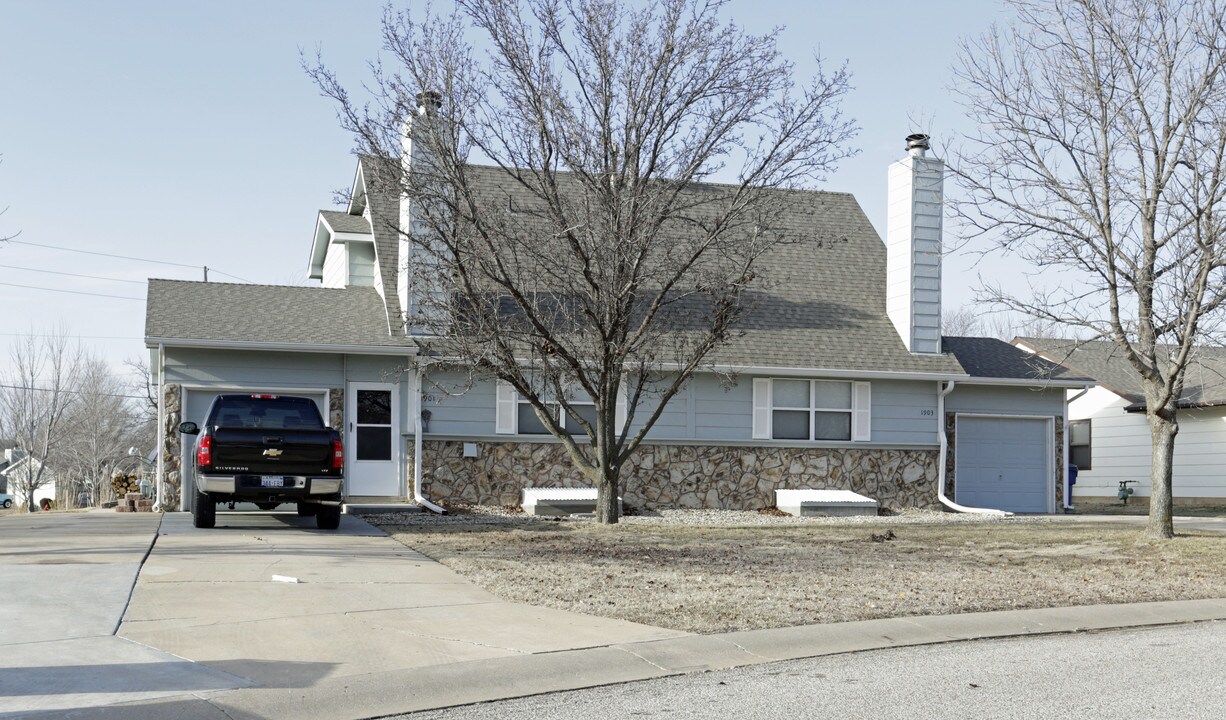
1167	672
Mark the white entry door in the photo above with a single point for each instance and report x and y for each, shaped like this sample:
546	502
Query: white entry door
372	447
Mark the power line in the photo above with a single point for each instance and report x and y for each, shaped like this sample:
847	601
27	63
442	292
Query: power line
73	292
91	277
73	392
72	336
125	257
231	276
92	252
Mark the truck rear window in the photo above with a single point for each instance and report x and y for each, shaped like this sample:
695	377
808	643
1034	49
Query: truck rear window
276	414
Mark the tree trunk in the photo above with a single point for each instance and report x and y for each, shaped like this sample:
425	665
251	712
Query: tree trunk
1162	433
607	485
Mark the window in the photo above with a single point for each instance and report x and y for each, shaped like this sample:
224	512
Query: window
514	415
528	423
811	410
1079	444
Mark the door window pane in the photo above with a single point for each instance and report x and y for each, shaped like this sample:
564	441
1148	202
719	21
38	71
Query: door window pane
791	394
831	426
832	395
375	407
790	425
374	442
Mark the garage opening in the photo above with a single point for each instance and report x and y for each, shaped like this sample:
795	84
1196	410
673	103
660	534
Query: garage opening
196	404
1004	463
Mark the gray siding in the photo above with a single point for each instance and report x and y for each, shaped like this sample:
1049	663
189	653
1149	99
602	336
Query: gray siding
1004	400
250	369
193	366
704	410
904	412
457	409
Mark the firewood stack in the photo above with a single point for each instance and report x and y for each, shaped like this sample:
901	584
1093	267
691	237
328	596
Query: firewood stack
127	489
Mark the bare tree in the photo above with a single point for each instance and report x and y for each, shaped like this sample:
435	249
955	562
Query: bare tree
964	322
1102	153
584	263
34	401
105	424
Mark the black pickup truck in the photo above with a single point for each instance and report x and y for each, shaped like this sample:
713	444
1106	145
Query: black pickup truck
267	449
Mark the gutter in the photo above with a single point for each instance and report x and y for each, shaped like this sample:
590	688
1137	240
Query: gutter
161	471
417	448
943	389
286	347
1068	488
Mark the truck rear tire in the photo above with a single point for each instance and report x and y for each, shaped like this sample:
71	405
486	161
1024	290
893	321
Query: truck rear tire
328	517
204	511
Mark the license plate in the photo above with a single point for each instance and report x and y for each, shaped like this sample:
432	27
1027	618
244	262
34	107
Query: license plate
272	481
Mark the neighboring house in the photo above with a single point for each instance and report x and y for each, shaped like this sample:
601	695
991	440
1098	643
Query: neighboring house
15	470
842	379
1110	438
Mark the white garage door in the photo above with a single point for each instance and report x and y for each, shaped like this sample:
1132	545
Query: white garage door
1002	463
196	405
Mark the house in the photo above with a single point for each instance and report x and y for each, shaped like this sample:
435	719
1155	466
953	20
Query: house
842	378
15	472
1109	439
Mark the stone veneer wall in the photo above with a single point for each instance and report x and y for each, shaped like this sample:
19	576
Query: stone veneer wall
336	408
172	403
951	437
686	476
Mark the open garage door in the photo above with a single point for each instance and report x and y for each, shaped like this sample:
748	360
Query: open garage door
1004	463
196	404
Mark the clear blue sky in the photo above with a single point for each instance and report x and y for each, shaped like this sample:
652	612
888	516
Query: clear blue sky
186	132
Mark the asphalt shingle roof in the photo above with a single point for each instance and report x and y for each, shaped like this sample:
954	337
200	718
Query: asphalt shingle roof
1205	382
344	222
225	312
992	358
823	304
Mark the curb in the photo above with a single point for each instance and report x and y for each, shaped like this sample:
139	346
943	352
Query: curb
397	692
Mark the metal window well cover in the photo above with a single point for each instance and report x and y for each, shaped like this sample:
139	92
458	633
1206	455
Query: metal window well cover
824	502
559	501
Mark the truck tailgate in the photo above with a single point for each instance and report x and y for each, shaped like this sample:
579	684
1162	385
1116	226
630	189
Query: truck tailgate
272	452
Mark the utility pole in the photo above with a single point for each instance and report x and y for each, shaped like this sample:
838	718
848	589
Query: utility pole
206	273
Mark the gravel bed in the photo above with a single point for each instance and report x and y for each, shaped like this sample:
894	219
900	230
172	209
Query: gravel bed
497	515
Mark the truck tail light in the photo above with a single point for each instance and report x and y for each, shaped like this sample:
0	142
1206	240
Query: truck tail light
204	451
338	455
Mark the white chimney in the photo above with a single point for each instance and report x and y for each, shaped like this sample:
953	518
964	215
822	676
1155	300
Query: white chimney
913	247
428	104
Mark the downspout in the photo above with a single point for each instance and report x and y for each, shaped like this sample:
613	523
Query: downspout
944	457
417	447
1068	488
161	471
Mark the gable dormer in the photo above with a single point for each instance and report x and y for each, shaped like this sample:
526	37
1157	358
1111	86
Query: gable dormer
343	254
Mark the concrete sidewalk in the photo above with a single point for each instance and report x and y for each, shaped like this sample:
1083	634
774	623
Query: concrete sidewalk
373	628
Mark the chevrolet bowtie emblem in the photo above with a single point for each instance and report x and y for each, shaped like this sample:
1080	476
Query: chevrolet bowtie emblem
273	453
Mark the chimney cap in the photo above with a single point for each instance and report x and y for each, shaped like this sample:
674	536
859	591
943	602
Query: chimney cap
917	144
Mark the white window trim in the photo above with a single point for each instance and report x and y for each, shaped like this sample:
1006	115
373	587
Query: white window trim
764	408
509	401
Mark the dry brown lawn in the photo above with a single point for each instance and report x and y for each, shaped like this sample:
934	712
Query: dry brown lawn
717	579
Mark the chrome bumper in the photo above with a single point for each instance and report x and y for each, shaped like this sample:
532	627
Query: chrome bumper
305	486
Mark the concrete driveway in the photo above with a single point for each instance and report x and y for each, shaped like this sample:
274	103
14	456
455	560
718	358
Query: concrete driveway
216	627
